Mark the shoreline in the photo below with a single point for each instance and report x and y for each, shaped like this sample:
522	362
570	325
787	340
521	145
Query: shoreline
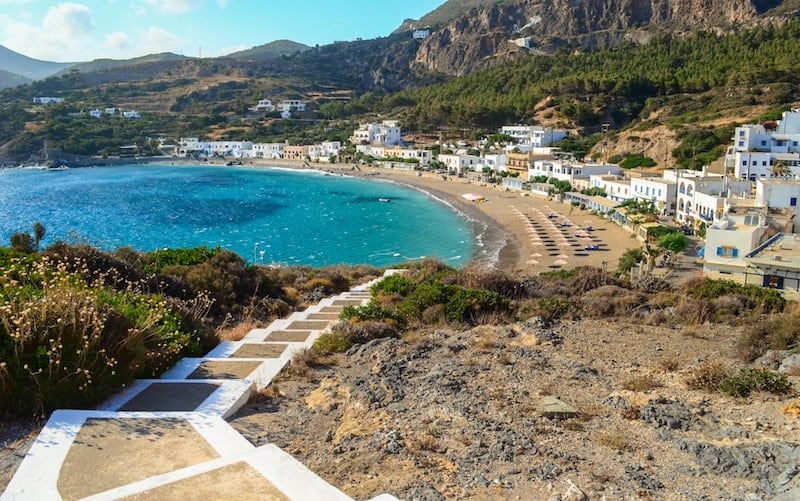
515	235
510	227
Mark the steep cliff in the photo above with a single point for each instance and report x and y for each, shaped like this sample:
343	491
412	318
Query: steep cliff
494	33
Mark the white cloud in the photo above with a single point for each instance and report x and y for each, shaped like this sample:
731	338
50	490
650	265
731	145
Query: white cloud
160	40
69	20
118	42
174	6
66	30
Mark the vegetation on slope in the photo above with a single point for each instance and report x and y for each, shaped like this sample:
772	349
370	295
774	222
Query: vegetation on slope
76	324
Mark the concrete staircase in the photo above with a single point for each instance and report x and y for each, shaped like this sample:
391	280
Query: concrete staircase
168	439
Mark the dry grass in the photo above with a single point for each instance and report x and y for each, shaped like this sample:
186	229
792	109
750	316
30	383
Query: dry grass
641	383
616	439
236	332
707	376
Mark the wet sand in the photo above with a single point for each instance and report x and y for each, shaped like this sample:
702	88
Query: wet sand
513	228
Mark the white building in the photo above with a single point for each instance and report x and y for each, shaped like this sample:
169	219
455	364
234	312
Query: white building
195	147
263	106
728	241
387	133
324	151
495	162
779	194
271	151
568	171
95	113
48	100
756	149
421	34
423	157
659	191
291	105
533	135
131	114
459	163
617	188
110	111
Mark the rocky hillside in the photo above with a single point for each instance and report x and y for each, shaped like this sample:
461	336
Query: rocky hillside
483	35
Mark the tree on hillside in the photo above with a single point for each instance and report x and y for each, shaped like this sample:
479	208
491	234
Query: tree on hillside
38	234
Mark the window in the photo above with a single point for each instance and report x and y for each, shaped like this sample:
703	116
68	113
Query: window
741	133
744	162
741	144
793	202
726	251
763	143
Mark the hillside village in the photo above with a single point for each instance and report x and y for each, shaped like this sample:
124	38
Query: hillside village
747	214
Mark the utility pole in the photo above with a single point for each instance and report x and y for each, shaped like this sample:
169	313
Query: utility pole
605	127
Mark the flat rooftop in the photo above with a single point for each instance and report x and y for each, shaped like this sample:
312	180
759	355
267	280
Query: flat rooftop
783	249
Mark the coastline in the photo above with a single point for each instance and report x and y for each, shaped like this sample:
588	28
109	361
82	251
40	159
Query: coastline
501	223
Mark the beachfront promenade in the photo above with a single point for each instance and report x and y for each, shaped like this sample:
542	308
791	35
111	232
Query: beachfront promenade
169	439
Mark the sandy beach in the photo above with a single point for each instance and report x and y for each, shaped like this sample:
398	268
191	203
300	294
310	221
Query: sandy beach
517	231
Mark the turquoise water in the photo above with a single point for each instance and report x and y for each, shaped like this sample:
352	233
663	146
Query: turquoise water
264	215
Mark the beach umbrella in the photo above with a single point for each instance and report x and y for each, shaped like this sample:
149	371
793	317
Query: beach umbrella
536	254
562	256
533	261
559	262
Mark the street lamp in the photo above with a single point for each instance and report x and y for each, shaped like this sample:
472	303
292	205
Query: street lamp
255	248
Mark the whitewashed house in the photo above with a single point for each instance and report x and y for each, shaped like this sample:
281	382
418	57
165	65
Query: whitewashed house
728	241
96	113
533	135
131	114
459	163
421	34
617	187
779	194
423	157
324	151
270	151
661	192
291	105
263	106
387	133
46	100
757	149
569	171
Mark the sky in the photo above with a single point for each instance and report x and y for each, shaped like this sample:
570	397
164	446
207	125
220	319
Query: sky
77	31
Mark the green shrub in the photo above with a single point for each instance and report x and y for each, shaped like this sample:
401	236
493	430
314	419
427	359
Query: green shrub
158	260
770	300
394	284
552	308
749	380
468	304
372	311
334	342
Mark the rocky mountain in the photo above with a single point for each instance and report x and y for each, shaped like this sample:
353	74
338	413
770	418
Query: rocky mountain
496	31
25	68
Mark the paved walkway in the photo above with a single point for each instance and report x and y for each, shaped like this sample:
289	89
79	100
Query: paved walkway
168	439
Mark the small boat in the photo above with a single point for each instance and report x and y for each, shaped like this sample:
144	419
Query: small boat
384	200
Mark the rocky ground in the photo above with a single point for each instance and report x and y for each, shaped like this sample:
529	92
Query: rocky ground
447	414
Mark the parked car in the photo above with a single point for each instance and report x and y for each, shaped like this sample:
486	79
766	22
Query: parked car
591	247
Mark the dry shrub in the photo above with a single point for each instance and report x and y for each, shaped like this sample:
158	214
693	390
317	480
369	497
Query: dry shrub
730	306
236	332
611	301
631	413
486	343
303	363
589	278
669	364
776	332
427	442
707	376
694	311
657	317
433	315
616	439
364	331
641	383
664	299
501	282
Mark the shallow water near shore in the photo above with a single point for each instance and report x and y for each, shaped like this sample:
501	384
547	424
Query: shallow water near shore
265	215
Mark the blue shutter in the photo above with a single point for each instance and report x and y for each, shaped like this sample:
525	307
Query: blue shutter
735	252
719	251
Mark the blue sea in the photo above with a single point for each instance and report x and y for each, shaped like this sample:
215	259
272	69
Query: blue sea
267	216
